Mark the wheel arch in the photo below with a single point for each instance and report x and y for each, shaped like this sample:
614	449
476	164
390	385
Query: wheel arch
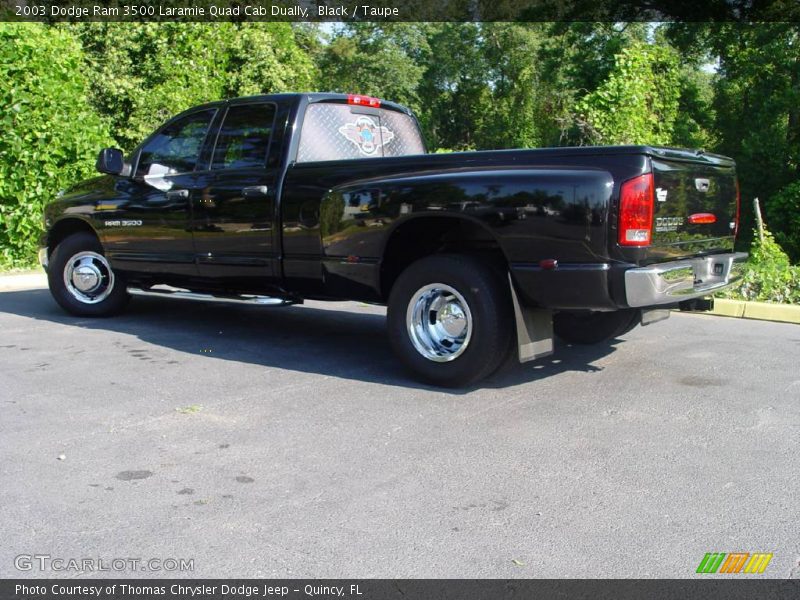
65	227
423	235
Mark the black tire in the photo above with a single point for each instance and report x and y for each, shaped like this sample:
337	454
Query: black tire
490	324
636	319
588	327
83	250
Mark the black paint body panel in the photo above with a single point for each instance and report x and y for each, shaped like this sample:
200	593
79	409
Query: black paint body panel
321	228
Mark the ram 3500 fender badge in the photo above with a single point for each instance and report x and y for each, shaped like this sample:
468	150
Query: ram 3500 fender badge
123	223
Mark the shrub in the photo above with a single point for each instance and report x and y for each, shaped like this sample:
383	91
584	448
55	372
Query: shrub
768	276
64	88
783	215
51	135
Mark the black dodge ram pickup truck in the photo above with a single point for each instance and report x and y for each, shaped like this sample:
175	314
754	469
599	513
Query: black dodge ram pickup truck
479	255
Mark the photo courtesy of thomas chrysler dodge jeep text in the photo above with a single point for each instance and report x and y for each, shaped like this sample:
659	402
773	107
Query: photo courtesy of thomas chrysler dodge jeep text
479	256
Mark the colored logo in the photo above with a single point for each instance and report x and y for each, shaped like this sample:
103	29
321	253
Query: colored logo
734	562
368	136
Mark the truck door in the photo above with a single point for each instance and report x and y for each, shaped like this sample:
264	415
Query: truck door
234	214
151	230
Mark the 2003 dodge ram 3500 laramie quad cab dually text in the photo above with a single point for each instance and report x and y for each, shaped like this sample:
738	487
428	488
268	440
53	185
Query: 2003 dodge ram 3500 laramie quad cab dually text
478	255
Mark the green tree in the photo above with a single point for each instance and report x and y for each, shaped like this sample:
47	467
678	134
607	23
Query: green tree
143	73
638	103
574	60
694	125
265	58
518	114
51	133
758	103
757	109
383	60
455	89
783	215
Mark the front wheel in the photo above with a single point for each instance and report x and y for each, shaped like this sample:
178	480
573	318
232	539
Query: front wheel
81	279
450	319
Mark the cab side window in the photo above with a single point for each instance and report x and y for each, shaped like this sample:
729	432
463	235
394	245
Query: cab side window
175	149
244	138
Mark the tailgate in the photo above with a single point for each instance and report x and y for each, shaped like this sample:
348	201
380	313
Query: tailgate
695	205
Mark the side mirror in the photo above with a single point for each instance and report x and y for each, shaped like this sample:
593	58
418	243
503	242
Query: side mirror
110	161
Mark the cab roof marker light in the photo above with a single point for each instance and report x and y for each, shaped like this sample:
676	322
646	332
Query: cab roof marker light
359	100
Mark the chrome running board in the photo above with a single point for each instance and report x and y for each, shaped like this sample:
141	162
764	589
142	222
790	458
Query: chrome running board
166	291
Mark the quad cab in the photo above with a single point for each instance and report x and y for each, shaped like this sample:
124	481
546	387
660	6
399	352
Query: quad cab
479	256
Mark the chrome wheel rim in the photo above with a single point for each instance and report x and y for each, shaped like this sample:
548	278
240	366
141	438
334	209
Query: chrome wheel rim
88	277
439	322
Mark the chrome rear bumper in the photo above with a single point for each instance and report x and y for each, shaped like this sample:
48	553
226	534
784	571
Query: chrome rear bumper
671	282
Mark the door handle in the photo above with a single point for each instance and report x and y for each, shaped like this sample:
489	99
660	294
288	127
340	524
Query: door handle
255	191
177	194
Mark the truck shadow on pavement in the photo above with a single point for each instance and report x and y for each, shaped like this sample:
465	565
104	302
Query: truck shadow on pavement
349	344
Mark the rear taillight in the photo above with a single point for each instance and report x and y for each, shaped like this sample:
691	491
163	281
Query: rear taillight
738	210
359	100
636	211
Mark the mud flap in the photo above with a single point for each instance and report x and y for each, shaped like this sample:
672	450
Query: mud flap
534	329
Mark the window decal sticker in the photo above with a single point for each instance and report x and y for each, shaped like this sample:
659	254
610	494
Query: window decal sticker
368	136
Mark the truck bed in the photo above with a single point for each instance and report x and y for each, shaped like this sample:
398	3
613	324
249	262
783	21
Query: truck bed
544	204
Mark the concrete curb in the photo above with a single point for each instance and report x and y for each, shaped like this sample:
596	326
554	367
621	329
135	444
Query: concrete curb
14	282
764	311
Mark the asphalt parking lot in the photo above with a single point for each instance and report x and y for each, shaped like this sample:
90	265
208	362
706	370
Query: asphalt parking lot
288	443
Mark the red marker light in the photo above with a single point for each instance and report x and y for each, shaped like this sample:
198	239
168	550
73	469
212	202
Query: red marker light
359	100
548	264
701	218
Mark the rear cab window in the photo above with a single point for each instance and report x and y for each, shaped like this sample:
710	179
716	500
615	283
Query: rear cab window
339	131
244	138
